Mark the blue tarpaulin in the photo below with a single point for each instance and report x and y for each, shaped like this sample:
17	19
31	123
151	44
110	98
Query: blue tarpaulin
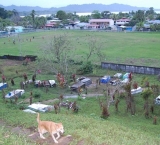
105	79
3	86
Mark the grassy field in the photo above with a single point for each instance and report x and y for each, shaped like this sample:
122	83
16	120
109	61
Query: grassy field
121	128
8	138
131	48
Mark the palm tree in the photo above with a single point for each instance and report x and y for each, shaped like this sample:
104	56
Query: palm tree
33	13
139	25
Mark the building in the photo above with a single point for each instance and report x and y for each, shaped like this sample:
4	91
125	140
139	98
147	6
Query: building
52	23
100	23
15	29
122	21
154	22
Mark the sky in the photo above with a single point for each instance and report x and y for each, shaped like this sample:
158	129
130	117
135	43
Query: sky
60	3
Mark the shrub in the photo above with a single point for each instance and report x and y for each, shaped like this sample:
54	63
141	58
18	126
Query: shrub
37	94
86	68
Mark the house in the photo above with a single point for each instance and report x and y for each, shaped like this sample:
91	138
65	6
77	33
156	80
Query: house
15	29
82	25
122	21
154	22
100	23
52	23
55	20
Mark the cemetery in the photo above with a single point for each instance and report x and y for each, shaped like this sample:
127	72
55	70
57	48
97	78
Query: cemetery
103	96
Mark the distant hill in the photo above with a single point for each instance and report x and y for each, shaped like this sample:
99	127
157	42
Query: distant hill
79	8
23	8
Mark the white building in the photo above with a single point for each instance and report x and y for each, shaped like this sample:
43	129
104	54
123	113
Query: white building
101	23
122	21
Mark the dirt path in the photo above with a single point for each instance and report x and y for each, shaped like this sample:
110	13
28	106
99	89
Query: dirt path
33	136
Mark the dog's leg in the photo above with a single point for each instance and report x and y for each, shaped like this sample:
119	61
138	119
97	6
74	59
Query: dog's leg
58	135
54	138
41	136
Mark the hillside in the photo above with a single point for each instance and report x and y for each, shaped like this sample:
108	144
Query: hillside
78	8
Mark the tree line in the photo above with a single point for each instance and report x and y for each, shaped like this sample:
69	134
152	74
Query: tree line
137	18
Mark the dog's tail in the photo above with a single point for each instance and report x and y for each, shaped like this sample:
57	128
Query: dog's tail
38	120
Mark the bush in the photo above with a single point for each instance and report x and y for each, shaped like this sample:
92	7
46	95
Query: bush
86	68
37	94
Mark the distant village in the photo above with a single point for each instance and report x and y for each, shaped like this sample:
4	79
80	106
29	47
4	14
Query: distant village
13	22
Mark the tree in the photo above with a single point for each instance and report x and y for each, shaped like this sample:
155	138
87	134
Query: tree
96	14
40	22
140	25
56	54
15	17
129	99
105	14
4	23
150	11
146	95
33	13
84	18
139	16
3	13
123	15
61	15
114	16
131	23
158	17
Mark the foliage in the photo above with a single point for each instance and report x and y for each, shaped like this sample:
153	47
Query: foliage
4	23
139	26
33	13
155	27
40	22
144	80
5	14
84	18
37	94
105	14
61	15
58	50
105	112
135	85
96	14
139	16
146	94
118	124
150	12
132	23
86	68
15	17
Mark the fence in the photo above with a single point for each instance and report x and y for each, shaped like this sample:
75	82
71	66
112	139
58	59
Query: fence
20	58
131	68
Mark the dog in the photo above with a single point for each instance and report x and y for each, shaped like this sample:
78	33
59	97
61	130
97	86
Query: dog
51	127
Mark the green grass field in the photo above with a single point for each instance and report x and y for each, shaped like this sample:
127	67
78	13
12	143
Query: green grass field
121	128
134	48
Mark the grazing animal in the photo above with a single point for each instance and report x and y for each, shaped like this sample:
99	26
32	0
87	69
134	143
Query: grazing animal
51	127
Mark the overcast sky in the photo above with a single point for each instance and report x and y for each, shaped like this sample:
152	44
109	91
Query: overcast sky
59	3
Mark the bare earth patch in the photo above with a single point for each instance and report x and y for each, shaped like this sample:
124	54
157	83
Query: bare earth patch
33	136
